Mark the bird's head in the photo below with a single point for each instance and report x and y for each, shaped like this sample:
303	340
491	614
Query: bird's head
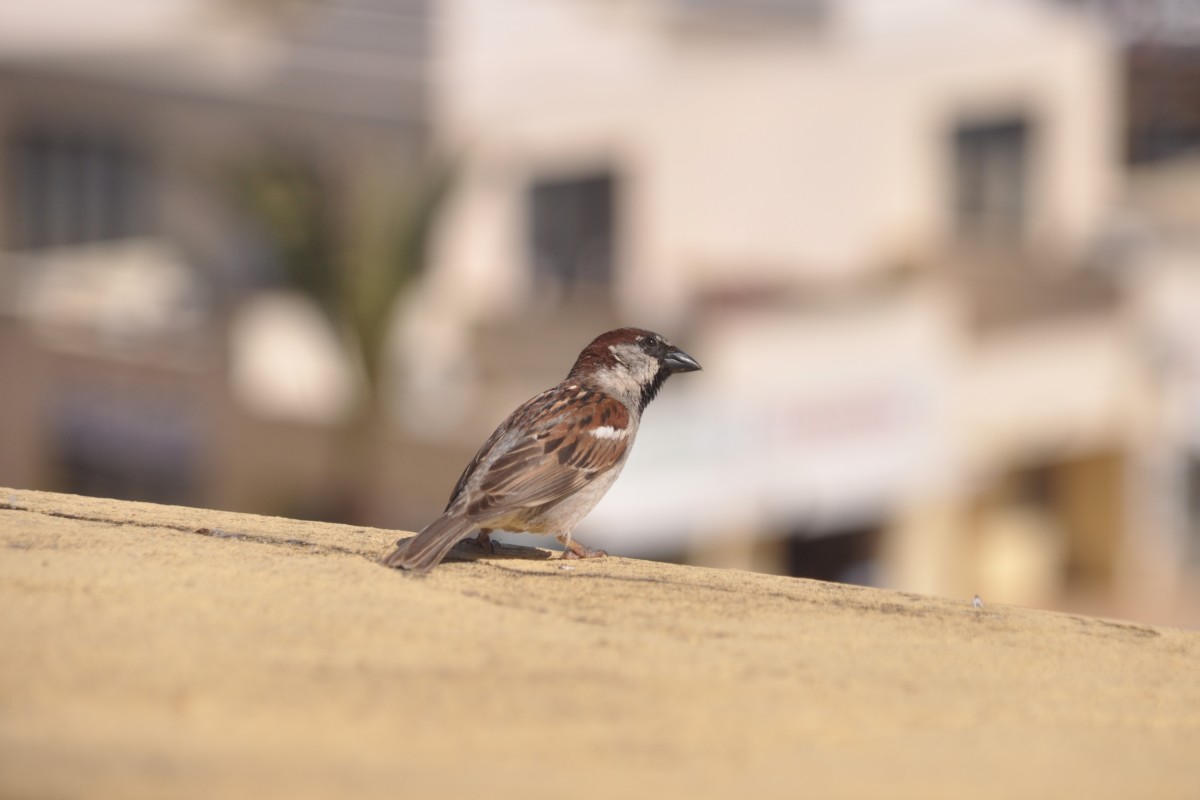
631	364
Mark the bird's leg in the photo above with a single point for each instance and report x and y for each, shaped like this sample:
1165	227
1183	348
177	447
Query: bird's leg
578	549
484	541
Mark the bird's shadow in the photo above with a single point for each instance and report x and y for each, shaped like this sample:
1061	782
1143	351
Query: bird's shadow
470	550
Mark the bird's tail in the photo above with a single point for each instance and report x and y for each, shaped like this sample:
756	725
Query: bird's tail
426	550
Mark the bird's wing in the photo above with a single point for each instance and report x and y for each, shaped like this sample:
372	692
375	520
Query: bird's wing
547	450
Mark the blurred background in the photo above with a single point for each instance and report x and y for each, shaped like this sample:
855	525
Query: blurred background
940	260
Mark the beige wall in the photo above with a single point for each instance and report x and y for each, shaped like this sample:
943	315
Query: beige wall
819	154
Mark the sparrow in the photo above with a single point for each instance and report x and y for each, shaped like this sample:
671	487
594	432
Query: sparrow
552	459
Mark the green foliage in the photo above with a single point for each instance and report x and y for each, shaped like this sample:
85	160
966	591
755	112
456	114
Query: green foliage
285	200
354	261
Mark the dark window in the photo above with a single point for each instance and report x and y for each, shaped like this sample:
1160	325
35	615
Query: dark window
846	554
1162	100
1036	487
572	237
106	446
991	174
1191	478
71	187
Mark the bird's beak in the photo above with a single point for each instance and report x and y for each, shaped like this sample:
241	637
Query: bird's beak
678	361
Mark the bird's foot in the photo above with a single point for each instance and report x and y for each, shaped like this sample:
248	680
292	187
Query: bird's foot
579	550
484	541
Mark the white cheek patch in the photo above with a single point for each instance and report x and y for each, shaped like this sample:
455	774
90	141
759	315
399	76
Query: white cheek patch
609	432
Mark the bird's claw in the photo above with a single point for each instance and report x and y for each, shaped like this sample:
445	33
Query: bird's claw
576	550
484	542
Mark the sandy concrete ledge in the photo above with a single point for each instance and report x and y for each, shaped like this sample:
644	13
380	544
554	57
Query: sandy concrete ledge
153	651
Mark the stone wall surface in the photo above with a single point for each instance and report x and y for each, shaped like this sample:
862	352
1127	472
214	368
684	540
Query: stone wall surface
154	651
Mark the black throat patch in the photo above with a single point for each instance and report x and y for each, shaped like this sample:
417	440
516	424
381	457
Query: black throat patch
650	390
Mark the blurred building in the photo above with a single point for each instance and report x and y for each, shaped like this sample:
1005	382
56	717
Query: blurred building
898	236
946	308
138	295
